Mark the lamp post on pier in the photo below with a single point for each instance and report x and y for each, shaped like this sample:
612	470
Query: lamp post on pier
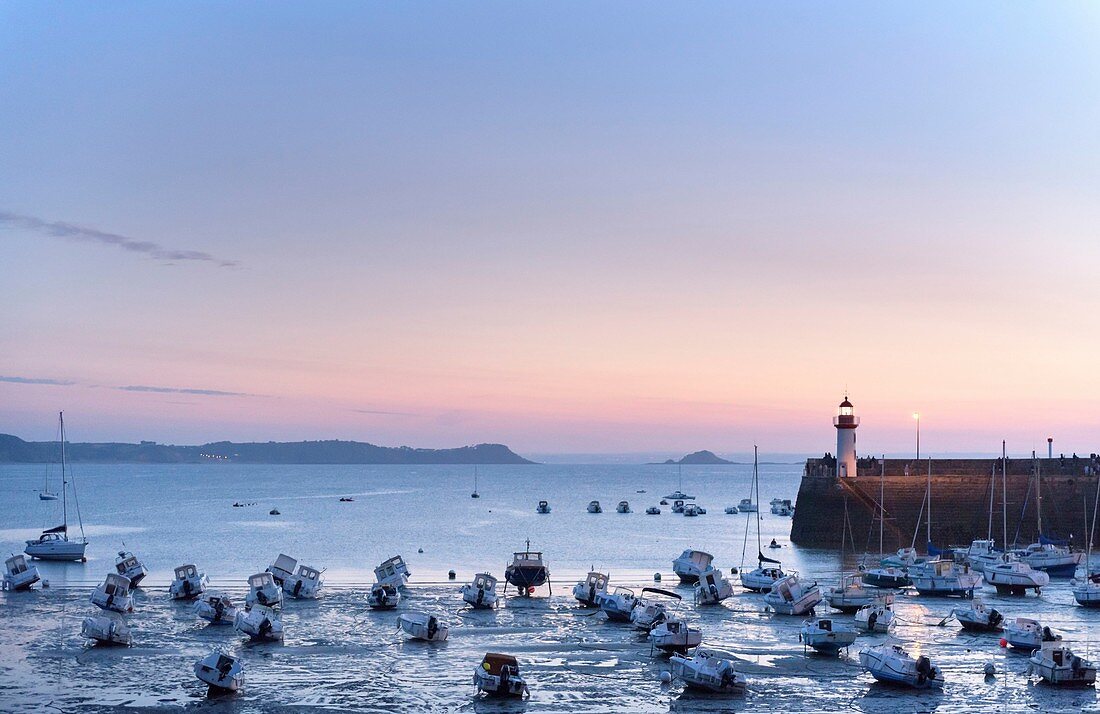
917	417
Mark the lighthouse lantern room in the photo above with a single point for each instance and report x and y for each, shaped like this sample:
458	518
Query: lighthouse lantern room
846	423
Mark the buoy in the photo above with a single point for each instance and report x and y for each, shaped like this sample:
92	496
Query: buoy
419	550
666	677
657	577
45	583
531	590
1004	642
450	575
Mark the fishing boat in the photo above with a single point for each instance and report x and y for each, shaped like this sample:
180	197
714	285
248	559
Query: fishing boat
693	510
221	672
114	594
653	511
675	636
475	494
393	572
1056	664
481	592
708	671
18	575
691	564
543	507
54	543
127	565
305	584
889	662
383	597
678	506
595	507
623	507
422	626
878	616
216	608
783	508
648	613
732	510
282	568
189	583
826	635
617	604
499	675
588	590
527	571
789	596
1024	633
712	588
1015	577
768	571
262	590
850	594
260	623
979	617
746	506
107	629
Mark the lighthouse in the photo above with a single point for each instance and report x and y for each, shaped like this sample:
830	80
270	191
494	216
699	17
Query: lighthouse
846	423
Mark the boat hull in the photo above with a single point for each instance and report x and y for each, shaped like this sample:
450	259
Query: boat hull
526	577
62	551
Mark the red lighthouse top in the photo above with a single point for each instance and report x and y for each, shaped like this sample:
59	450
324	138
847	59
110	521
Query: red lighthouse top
846	419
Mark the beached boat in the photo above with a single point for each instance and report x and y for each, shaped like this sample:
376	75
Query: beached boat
790	596
422	626
262	590
216	608
1024	633
712	588
107	629
18	575
945	578
747	506
588	590
221	672
188	584
707	670
305	584
826	635
1087	591
481	592
623	507
54	543
1056	664
383	597
904	558
595	507
768	571
393	572
499	675
678	506
675	636
283	567
850	594
979	617
691	564
617	604
763	577
887	577
260	623
543	507
982	553
1013	576
114	594
732	510
527	571
1057	561
653	511
889	662
876	617
128	566
693	510
648	613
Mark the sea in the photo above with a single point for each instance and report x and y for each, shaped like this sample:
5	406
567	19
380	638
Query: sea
339	655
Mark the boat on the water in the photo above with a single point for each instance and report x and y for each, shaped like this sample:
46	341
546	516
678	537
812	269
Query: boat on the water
107	629
423	626
595	507
481	592
904	558
979	617
876	617
826	635
675	636
732	510
527	571
678	506
383	597
588	590
1015	577
783	507
889	662
128	566
746	506
790	596
393	572
712	588
305	584
282	568
18	575
499	675
1025	633
708	671
653	511
262	590
768	571
691	564
623	507
1056	664
850	594
475	494
543	507
114	594
54	543
260	623
216	608
188	584
221	672
693	510
945	578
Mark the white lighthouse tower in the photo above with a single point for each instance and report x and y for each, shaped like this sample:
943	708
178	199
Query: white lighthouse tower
846	423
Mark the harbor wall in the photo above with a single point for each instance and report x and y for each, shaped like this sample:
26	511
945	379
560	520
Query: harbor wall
960	502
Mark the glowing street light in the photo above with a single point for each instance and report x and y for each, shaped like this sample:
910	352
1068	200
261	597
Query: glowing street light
917	417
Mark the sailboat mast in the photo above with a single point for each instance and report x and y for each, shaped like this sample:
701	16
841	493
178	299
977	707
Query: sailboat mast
929	497
992	489
64	482
1092	533
881	503
1004	496
756	486
1038	496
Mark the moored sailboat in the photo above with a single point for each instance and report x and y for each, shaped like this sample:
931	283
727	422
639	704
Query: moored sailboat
54	543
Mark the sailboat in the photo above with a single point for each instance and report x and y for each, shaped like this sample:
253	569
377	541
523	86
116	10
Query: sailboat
44	494
1087	592
475	494
1054	558
849	594
679	493
54	543
763	577
942	576
1010	574
887	576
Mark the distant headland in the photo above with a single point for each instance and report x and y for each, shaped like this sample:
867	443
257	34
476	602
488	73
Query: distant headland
16	450
705	458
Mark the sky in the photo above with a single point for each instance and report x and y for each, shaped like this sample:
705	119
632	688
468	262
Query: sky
569	227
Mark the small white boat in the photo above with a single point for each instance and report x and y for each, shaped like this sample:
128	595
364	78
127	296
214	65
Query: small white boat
422	626
260	622
262	590
680	495
981	553
676	636
712	588
594	507
850	594
623	507
1087	592
220	671
588	590
617	604
283	567
481	592
1056	664
383	597
782	507
678	506
647	614
216	607
789	596
18	575
543	507
904	558
709	671
732	510
979	617
889	662
692	510
107	629
761	578
826	635
114	594
876	617
1055	560
393	572
747	506
653	511
691	564
1013	576
499	675
1025	633
128	566
305	584
945	578
189	583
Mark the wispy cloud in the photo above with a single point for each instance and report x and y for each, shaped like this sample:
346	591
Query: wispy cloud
72	231
379	411
178	390
38	380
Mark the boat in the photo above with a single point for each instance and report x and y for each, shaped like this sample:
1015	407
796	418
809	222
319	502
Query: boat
878	616
54	543
904	558
768	571
1056	664
679	494
383	597
543	507
282	568
675	636
826	635
732	510
188	584
746	506
260	623
774	544
1051	556
664	502
393	572
499	675
889	662
678	506
783	507
979	617
347	499
422	626
262	590
617	604
623	507
692	510
946	578
707	670
475	494
699	510
647	613
481	592
850	594
305	584
691	564
127	565
107	629
216	608
712	588
1015	577
1087	591
18	575
887	577
594	507
762	578
653	511
588	590
982	553
221	672
45	494
274	512
789	596
1024	633
527	571
114	594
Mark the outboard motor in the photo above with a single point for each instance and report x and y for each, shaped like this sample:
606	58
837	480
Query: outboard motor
187	587
480	595
924	668
297	588
871	620
433	627
995	618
